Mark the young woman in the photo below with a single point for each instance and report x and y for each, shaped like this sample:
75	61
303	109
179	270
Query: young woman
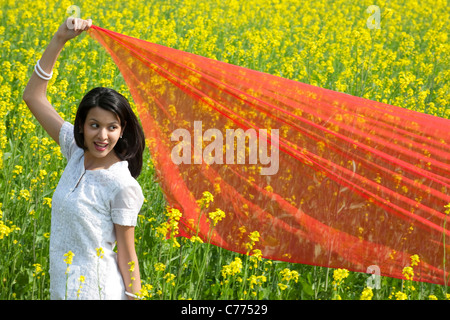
96	202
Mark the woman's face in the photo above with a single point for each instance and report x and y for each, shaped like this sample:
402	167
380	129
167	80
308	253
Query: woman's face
101	132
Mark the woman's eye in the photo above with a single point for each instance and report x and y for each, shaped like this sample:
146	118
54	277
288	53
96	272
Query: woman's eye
94	125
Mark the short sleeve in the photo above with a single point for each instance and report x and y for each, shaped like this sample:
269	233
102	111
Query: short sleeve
67	140
126	204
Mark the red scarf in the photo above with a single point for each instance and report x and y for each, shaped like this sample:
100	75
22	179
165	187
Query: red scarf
326	178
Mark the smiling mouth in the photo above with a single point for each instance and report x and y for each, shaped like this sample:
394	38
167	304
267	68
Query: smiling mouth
100	146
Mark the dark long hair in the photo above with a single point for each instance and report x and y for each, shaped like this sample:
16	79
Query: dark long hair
131	146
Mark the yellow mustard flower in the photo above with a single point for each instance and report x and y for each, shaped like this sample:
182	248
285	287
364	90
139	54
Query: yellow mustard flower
100	252
48	201
159	266
367	294
339	275
37	269
399	295
205	200
216	216
447	207
145	291
169	277
233	268
415	260
255	280
282	286
408	272
69	257
288	275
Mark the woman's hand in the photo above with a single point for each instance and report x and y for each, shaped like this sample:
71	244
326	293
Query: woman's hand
72	27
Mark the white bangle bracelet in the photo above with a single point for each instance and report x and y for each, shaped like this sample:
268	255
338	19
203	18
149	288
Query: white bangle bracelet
41	76
41	73
131	295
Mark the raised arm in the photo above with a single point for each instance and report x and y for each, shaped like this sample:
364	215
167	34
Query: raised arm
35	93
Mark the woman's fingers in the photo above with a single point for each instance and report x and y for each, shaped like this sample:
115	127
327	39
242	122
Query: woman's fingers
78	24
88	24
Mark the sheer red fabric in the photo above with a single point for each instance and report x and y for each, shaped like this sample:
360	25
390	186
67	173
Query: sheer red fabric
325	178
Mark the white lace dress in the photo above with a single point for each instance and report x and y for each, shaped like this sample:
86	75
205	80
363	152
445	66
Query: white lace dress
85	206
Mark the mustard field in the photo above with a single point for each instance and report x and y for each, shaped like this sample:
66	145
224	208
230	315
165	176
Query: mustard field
396	52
